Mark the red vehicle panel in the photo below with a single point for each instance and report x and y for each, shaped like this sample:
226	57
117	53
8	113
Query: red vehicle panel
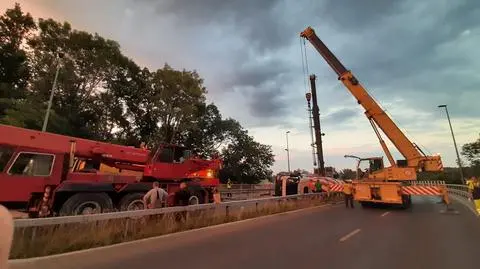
38	172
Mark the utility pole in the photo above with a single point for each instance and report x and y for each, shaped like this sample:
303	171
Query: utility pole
454	143
288	152
52	93
316	126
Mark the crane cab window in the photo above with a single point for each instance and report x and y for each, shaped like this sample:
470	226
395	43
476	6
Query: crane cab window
166	155
363	168
376	164
5	155
32	164
181	154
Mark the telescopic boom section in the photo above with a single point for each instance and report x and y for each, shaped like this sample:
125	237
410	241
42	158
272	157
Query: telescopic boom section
373	111
85	148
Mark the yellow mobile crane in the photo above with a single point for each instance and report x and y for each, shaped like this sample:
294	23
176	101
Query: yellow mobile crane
381	184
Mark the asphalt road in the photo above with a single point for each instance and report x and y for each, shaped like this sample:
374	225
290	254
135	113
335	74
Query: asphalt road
330	237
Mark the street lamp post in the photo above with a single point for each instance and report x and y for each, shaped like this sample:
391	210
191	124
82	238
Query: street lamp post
52	93
288	152
454	143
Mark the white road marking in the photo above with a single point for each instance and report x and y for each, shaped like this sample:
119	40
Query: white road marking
349	235
384	214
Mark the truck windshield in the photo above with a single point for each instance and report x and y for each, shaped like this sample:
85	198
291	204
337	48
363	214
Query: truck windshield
5	155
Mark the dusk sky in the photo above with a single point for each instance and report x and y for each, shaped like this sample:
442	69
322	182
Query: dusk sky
410	55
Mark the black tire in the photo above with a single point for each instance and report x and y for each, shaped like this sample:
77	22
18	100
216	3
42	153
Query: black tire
406	201
198	196
305	190
132	201
366	204
82	203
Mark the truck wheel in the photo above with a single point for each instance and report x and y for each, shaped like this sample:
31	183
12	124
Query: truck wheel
86	203
197	198
406	201
366	204
193	200
132	201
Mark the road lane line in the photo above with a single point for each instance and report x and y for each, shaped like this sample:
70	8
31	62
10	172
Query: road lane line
349	235
384	214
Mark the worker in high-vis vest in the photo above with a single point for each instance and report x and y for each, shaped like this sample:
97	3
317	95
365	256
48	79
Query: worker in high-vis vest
476	194
318	186
229	188
348	192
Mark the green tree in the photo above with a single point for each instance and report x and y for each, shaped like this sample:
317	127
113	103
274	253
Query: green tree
176	96
15	26
82	96
28	113
347	174
246	161
164	104
209	131
471	151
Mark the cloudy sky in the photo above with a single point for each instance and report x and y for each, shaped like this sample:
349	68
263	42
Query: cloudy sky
411	56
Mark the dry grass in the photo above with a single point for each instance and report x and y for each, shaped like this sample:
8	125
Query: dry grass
41	241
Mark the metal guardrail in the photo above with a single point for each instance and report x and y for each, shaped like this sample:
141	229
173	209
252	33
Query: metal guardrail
461	194
246	186
22	223
456	191
245	194
429	183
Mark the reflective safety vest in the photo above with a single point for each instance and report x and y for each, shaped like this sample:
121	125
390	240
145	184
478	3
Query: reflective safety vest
318	186
476	191
347	188
470	185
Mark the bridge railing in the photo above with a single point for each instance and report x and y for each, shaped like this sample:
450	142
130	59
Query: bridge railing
245	191
225	207
39	237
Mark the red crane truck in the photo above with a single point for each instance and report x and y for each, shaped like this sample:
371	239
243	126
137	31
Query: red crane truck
40	173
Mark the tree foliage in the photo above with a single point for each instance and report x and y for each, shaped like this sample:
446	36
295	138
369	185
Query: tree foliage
246	160
347	174
471	151
15	26
101	94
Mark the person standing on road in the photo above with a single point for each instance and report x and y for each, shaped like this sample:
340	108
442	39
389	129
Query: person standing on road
216	196
476	194
318	186
326	188
182	196
470	186
348	192
155	197
229	188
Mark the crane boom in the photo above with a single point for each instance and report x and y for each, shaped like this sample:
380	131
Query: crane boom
374	112
63	144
